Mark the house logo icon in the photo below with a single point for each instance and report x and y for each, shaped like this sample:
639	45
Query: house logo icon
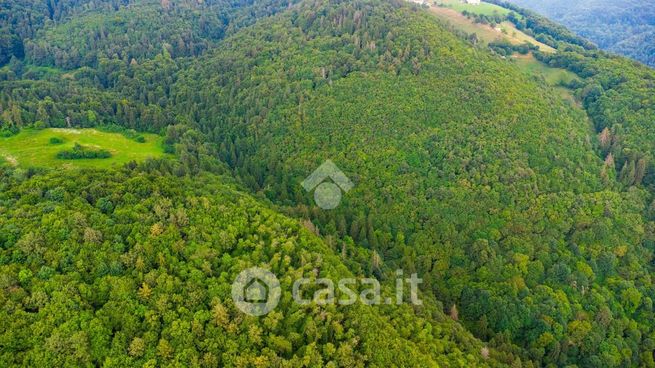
327	194
256	291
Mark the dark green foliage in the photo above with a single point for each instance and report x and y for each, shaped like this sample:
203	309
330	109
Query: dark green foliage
56	140
130	31
20	20
10	46
506	48
8	131
485	19
79	152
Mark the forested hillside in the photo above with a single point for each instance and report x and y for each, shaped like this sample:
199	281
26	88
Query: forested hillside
529	217
73	33
625	27
133	268
429	167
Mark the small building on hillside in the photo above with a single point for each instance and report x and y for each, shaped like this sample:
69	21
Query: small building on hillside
472	2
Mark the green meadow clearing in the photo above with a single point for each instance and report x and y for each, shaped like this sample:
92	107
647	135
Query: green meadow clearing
553	76
451	11
33	148
482	8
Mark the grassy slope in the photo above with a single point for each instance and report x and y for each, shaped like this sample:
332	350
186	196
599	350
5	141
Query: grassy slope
553	76
482	8
32	148
452	12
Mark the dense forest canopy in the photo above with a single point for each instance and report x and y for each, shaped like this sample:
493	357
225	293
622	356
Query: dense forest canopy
141	272
530	217
73	33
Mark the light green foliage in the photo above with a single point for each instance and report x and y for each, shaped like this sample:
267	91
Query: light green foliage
87	286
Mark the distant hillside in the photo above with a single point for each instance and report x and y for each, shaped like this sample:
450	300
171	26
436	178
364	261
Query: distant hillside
626	27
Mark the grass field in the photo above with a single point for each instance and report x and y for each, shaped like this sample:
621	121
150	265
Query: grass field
451	12
32	148
485	32
553	76
482	8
